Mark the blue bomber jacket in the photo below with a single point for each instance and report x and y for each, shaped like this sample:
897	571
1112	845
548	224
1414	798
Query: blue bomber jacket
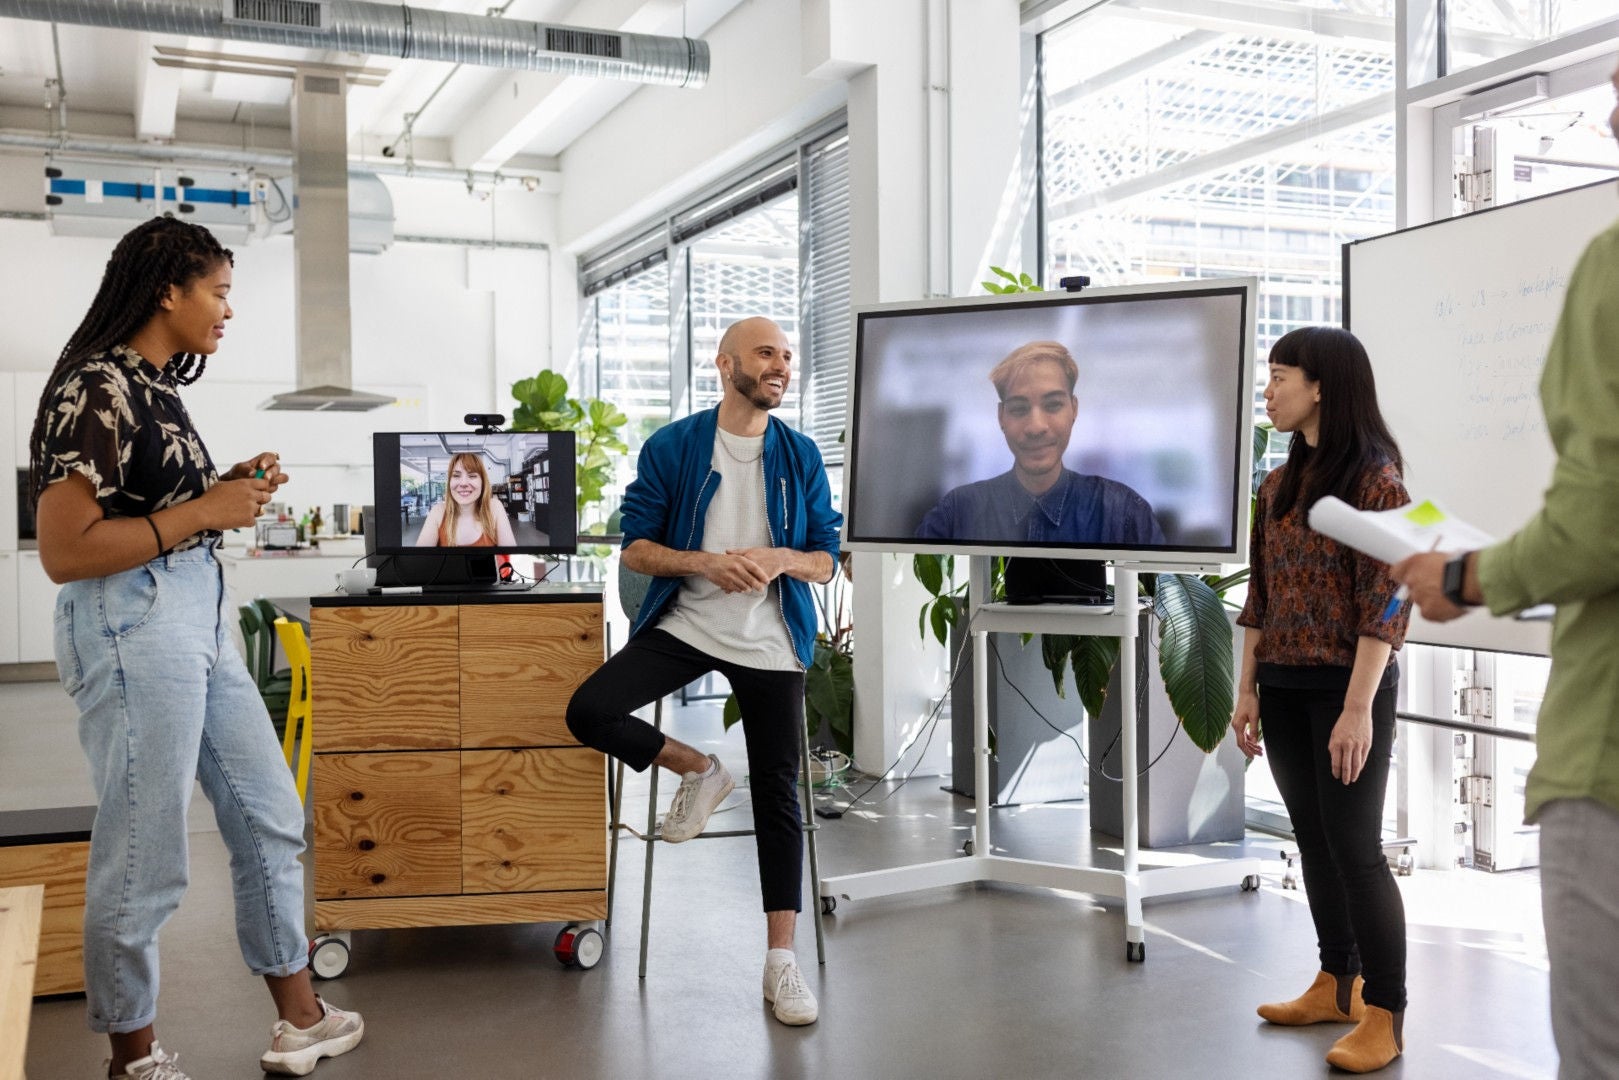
667	503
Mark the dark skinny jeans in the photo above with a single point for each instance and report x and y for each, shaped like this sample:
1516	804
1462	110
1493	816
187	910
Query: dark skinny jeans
655	663
1359	917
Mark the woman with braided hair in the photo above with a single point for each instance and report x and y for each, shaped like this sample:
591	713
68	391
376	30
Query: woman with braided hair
130	511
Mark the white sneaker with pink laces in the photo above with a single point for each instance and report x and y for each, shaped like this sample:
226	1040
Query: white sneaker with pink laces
295	1051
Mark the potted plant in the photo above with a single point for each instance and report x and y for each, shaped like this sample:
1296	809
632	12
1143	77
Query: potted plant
543	404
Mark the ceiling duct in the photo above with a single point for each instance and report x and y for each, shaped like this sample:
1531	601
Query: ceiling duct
408	33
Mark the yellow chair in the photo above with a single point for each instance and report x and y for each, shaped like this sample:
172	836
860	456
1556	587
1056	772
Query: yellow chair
300	709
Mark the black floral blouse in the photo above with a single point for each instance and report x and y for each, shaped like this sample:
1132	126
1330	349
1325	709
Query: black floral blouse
119	422
1313	597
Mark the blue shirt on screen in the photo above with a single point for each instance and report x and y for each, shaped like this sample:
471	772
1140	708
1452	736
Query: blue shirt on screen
1078	510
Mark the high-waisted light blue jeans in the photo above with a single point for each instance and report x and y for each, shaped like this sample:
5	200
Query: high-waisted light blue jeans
163	698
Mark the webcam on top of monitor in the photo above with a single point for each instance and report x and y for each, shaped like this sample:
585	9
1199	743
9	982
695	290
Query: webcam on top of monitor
484	423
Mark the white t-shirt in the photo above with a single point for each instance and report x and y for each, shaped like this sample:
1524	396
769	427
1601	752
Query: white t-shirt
748	628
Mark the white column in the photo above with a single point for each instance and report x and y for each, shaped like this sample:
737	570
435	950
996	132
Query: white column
900	212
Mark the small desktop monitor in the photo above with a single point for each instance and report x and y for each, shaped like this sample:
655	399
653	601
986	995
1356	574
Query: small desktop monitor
448	502
1109	424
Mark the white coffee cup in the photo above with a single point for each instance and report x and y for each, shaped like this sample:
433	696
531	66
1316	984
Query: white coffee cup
357	580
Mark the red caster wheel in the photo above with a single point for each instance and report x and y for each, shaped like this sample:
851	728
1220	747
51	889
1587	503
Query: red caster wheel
580	948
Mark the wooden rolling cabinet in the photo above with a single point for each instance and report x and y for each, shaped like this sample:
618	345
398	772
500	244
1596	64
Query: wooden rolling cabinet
447	789
52	848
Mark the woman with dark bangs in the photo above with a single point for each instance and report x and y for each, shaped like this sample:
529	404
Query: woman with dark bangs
1318	684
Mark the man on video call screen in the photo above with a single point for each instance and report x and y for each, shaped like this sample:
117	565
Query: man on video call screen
1039	500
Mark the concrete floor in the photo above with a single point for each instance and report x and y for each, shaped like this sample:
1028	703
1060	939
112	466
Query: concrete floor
987	981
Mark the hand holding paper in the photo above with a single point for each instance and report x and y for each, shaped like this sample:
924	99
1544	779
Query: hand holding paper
1392	535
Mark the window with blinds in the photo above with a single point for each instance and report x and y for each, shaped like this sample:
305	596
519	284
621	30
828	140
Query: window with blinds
823	302
772	240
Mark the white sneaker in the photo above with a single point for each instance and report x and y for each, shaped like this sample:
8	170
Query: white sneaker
155	1066
784	988
294	1051
699	794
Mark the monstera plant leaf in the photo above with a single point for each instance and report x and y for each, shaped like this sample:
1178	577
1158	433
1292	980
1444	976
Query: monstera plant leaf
1194	656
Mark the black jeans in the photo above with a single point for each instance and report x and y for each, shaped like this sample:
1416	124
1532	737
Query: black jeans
655	663
1359	917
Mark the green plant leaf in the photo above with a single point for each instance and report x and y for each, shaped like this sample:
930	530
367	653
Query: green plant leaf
1026	281
1261	442
732	712
1194	657
1093	659
942	617
829	693
929	570
1054	650
1001	271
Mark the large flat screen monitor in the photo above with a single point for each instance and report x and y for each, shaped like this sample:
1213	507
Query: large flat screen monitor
458	492
1107	424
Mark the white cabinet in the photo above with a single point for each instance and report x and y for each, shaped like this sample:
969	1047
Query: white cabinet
8	607
36	608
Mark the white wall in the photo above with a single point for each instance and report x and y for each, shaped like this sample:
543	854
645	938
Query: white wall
445	328
664	143
778	66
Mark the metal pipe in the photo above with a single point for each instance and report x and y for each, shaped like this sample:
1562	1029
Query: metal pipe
1462	725
396	30
61	83
122	150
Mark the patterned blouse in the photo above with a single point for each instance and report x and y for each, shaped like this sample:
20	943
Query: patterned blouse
119	422
1312	596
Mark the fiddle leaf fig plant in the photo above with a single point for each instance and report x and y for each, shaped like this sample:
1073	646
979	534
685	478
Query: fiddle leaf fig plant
543	404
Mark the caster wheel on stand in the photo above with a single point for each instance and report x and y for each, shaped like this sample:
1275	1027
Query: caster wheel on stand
1135	951
829	904
1250	883
329	955
579	948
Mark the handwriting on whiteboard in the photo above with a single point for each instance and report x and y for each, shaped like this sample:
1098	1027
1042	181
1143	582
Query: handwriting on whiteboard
1500	335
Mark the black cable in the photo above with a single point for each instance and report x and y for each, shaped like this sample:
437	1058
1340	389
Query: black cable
931	722
286	207
1141	698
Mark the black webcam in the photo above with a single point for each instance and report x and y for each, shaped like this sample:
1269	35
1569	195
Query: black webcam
485	423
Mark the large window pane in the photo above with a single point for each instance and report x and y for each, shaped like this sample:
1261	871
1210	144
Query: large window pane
1478	31
632	346
1174	153
747	267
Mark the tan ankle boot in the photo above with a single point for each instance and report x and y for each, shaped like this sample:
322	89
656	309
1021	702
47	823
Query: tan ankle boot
1317	1005
1374	1043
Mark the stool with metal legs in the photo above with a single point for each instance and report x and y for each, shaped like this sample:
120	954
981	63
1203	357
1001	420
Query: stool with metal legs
631	591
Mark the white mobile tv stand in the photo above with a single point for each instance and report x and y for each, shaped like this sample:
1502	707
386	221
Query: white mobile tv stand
1130	883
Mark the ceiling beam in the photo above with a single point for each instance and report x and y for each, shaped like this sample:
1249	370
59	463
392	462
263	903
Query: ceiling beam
527	105
1304	131
1279	18
157	91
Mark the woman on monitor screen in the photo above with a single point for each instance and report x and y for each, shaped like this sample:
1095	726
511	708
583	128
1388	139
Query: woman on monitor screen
1039	500
469	516
1318	684
130	511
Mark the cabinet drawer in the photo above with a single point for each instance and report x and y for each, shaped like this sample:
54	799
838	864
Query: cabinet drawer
387	824
533	820
520	663
385	678
60	868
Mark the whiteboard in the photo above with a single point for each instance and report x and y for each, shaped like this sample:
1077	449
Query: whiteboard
1456	316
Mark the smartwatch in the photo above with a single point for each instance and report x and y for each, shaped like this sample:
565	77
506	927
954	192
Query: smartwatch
1455	577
